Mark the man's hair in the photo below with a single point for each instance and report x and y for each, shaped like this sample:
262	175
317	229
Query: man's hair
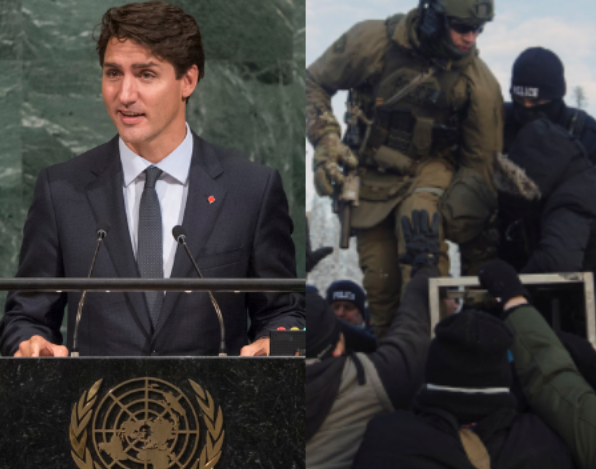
166	30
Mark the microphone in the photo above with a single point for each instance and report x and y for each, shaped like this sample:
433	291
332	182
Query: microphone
179	234
102	232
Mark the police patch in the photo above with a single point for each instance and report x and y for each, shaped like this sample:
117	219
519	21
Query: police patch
340	45
526	92
344	295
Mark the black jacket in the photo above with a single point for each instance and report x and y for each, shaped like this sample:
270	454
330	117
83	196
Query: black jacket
429	439
558	232
344	393
581	124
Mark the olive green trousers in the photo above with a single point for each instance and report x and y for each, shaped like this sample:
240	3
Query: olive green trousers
380	246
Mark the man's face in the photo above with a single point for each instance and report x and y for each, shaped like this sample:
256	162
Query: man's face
464	42
530	102
347	311
143	96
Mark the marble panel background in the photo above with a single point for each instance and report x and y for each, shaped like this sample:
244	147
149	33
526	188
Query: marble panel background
51	109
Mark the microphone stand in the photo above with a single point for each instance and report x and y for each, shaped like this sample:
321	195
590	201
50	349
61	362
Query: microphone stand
101	234
222	343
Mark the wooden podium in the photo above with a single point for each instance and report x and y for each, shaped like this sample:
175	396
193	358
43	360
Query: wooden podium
152	413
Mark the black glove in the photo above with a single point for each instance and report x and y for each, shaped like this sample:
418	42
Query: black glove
313	258
501	281
422	240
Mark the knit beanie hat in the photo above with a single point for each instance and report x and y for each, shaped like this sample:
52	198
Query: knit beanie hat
322	334
346	290
470	352
538	73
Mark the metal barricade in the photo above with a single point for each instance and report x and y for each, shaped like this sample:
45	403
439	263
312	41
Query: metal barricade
585	278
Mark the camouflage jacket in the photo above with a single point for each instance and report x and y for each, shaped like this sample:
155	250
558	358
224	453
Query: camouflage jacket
373	53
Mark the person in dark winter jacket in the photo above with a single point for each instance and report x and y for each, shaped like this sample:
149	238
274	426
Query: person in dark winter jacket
537	90
465	417
348	301
557	375
555	230
344	391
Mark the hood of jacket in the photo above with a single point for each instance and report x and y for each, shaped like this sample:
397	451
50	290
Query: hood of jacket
322	384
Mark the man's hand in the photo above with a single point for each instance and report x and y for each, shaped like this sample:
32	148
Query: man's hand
422	240
330	153
314	257
501	281
259	348
37	346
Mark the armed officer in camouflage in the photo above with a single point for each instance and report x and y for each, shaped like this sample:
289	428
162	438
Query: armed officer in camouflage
426	121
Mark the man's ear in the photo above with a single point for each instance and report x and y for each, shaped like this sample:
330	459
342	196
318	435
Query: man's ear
189	81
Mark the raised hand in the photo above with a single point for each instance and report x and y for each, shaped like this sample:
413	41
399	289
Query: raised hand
422	240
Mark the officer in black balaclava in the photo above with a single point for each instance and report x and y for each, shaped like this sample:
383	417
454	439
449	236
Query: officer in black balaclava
537	91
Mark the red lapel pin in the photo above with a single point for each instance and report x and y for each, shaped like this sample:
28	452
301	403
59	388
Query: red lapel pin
211	199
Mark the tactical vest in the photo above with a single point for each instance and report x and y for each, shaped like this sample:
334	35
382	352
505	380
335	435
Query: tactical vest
425	122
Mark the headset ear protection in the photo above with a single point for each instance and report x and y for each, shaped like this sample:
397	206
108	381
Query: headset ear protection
433	17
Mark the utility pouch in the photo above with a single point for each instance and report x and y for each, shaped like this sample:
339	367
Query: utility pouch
390	159
422	137
445	136
379	130
380	189
467	206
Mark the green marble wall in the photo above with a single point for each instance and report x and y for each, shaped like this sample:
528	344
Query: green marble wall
251	99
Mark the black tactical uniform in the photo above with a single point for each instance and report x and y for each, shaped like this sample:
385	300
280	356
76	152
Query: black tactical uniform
537	88
576	121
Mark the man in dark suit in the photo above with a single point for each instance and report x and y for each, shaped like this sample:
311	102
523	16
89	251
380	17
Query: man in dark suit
156	174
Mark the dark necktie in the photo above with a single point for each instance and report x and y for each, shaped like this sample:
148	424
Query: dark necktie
150	243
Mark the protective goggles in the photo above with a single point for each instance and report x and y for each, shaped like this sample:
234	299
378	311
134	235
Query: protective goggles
462	28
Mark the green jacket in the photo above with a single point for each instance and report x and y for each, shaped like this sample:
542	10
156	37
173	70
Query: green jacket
360	57
556	390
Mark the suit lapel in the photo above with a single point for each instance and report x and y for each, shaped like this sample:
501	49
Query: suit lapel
106	197
200	216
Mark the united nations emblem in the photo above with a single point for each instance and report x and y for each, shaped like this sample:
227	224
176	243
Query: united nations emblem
145	423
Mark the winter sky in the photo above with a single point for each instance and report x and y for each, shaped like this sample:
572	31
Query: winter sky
567	27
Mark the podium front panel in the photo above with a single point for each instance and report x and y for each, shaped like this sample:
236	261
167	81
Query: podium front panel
152	413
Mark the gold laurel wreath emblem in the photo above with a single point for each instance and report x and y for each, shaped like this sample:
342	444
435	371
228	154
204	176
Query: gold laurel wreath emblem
215	433
83	411
81	415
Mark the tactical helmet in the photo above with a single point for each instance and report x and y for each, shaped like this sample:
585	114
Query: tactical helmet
437	16
469	11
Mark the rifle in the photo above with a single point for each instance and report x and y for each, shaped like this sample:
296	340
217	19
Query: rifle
346	196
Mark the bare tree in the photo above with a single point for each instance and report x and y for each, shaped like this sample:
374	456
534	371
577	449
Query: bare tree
579	94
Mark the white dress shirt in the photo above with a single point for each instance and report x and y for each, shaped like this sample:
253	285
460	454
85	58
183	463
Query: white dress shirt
171	188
